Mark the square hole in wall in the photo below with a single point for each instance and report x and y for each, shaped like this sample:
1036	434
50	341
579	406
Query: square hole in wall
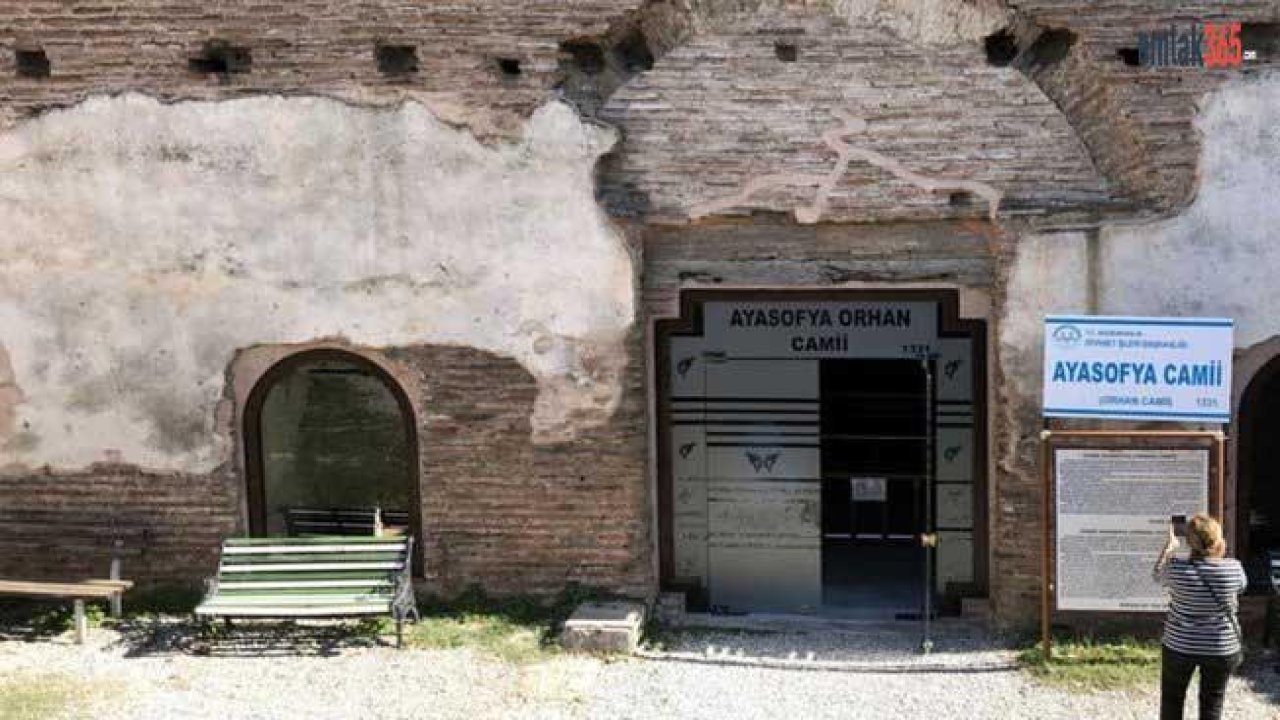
509	67
632	52
786	52
31	63
219	57
396	59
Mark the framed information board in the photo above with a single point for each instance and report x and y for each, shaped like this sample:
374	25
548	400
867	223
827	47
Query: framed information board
1112	509
1109	496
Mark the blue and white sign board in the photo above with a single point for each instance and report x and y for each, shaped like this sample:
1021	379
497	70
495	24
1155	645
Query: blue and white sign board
1133	368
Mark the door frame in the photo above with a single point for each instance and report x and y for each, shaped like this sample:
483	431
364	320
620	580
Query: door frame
690	324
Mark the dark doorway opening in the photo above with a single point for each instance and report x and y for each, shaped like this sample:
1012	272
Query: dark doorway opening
331	446
1257	489
875	448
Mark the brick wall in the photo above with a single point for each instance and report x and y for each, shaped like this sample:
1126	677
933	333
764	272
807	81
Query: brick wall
61	526
498	511
312	47
1139	122
517	517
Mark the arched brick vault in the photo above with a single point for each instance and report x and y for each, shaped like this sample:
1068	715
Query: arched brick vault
765	132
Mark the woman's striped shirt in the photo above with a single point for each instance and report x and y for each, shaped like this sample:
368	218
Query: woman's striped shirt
1196	623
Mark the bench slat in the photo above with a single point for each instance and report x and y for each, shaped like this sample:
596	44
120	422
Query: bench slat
345	540
293	590
226	585
332	547
314	611
302	567
33	588
310	557
382	575
344	598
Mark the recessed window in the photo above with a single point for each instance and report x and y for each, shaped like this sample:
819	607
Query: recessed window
219	57
786	52
396	59
509	67
31	64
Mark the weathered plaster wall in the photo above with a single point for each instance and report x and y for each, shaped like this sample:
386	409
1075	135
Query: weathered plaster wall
144	243
1221	256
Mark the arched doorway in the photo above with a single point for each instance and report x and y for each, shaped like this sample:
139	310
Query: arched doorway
1257	515
326	432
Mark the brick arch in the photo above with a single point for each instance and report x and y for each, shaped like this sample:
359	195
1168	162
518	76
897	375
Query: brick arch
1257	402
251	427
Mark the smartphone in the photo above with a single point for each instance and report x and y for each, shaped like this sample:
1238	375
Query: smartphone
1179	523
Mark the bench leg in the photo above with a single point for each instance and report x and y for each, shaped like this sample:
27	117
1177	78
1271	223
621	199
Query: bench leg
82	622
399	633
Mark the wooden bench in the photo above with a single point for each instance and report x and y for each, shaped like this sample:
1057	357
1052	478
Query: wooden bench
311	522
110	589
314	577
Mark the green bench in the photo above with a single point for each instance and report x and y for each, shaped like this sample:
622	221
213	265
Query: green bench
314	577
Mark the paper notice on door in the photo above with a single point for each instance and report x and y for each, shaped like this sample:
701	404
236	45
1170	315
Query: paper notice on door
869	489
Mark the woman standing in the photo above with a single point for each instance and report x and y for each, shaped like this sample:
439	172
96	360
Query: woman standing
1200	629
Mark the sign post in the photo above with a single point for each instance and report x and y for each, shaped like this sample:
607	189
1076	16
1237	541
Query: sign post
1108	494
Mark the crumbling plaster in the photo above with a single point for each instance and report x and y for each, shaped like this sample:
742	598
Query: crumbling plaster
1221	255
1218	257
144	243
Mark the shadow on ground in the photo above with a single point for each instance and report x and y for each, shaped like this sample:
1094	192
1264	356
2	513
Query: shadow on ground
1261	672
149	636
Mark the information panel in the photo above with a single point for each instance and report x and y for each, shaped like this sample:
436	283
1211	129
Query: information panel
1112	511
1163	369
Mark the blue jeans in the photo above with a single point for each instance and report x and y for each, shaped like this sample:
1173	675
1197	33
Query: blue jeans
1175	673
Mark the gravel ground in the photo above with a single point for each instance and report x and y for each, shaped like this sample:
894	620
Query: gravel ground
812	670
